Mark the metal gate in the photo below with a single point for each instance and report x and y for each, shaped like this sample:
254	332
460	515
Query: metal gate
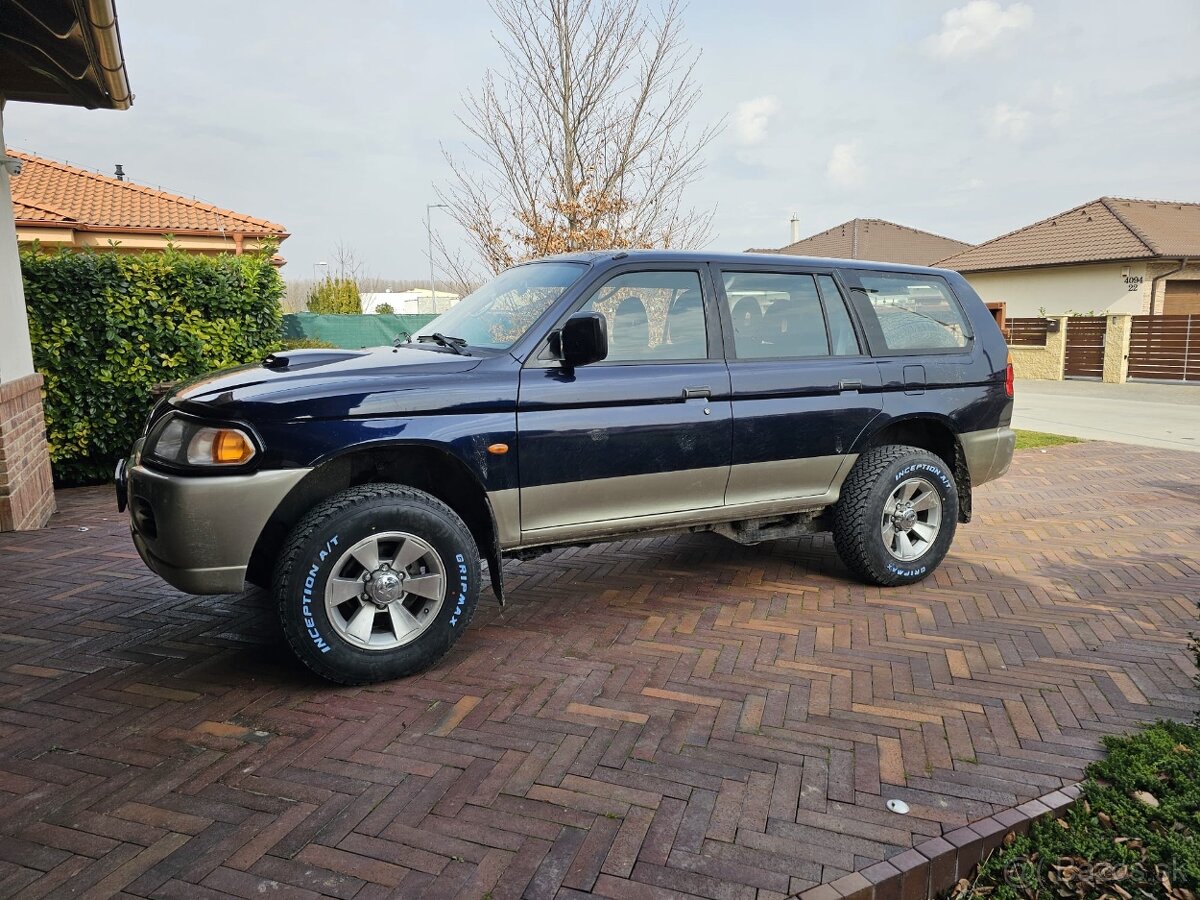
1165	348
1085	347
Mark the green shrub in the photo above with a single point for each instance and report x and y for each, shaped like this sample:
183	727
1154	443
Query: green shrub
107	327
335	295
385	309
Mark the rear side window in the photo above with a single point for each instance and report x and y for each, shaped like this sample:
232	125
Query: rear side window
841	332
775	315
912	312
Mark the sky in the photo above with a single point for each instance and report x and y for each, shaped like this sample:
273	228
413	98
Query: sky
968	119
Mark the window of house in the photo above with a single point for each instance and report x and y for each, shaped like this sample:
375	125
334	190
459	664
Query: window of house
913	312
775	315
652	316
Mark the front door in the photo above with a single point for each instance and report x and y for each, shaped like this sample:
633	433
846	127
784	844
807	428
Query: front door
643	435
802	389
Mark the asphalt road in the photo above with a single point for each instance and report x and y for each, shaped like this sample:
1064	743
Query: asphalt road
1152	415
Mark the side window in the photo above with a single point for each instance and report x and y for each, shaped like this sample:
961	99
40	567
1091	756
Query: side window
775	315
841	332
913	312
652	316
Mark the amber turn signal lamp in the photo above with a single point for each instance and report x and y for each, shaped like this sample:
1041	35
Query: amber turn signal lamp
498	449
231	447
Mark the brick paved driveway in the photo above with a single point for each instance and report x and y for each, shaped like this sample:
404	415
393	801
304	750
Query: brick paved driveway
651	718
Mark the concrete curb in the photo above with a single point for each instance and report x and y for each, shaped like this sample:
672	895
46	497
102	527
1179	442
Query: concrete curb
934	866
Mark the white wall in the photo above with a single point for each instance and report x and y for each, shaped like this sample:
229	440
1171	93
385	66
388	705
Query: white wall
16	359
1062	289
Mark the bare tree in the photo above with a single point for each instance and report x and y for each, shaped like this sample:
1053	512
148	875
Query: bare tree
346	264
582	141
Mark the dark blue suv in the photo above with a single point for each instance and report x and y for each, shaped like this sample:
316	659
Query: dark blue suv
575	399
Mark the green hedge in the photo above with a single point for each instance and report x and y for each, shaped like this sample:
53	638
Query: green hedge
107	327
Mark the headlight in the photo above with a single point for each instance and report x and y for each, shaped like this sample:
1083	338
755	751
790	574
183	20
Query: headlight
186	443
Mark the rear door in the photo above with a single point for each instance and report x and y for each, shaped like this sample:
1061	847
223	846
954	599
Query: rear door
643	434
803	387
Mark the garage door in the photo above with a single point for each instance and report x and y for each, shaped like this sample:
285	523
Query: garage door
1182	298
1165	348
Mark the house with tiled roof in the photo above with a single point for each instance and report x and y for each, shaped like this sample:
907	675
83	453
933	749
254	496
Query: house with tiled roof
60	205
1111	255
875	239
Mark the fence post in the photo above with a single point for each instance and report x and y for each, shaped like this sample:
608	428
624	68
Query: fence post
1116	348
1056	346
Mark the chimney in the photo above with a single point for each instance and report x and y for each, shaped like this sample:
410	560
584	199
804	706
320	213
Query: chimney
120	173
795	228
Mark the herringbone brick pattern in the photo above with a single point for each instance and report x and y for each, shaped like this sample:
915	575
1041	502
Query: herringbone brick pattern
648	719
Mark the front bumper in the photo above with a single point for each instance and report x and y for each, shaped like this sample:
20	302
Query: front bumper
198	532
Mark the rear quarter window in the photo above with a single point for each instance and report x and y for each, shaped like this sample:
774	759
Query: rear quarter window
911	313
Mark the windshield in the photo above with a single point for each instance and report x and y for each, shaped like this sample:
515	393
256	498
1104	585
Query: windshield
500	312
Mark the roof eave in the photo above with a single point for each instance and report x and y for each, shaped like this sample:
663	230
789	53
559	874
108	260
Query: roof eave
1107	260
106	36
162	232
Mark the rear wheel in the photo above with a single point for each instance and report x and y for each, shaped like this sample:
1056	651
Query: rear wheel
376	583
897	515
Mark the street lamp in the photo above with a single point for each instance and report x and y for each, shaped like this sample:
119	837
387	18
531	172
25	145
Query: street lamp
323	265
429	207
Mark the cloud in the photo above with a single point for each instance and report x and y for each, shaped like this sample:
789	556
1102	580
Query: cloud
979	24
751	118
1040	108
845	168
1009	122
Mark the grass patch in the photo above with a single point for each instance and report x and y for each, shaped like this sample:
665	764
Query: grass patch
1134	833
1028	440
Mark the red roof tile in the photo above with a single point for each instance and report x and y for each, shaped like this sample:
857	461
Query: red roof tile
1110	228
47	192
875	239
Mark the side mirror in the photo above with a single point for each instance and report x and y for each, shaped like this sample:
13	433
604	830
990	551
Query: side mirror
584	339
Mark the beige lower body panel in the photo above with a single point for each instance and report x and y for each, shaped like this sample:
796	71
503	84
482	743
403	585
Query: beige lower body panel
624	497
988	453
785	478
755	490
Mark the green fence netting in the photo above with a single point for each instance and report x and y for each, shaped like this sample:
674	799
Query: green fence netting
351	332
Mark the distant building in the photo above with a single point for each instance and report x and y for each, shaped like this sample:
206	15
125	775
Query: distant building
60	205
874	239
1108	256
411	302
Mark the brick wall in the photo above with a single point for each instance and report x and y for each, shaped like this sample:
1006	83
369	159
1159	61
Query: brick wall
26	486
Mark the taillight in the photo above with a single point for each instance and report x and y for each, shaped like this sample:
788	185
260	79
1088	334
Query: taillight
1009	378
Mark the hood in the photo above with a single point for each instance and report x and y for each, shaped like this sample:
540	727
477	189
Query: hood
331	384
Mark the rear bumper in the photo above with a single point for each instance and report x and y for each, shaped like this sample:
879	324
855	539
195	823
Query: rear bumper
989	452
198	533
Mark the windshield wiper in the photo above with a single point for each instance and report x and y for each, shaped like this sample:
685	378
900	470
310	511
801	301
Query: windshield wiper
455	344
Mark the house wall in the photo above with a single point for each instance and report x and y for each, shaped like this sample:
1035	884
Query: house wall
26	488
1101	287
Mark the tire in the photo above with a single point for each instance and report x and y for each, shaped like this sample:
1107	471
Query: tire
877	484
403	619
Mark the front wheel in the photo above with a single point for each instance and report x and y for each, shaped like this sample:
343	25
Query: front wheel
896	516
376	583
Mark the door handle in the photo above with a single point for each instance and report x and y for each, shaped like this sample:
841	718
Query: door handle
696	393
850	384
